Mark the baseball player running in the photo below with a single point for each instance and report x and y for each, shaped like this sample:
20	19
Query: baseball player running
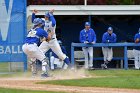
108	37
88	36
50	26
30	47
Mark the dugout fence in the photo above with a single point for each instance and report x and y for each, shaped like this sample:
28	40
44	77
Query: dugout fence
124	45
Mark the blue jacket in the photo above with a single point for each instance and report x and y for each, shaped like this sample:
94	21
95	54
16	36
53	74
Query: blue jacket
89	36
51	18
34	35
106	37
137	36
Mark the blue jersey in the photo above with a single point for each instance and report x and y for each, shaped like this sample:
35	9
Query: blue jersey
63	50
109	38
137	36
34	35
89	36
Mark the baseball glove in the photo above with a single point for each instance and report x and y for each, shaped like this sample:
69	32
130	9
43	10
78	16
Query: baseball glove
45	39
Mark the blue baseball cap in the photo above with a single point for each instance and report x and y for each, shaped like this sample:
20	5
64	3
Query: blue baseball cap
47	14
110	29
37	21
87	23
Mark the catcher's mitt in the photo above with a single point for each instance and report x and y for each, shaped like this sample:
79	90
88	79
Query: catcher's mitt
45	39
50	34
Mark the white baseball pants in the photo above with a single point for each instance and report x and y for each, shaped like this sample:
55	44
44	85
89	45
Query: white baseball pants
107	53
54	46
88	52
33	52
137	58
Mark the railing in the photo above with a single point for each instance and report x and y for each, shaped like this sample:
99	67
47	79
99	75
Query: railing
125	45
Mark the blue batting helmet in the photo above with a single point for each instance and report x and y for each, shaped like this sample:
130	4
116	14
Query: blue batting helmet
47	14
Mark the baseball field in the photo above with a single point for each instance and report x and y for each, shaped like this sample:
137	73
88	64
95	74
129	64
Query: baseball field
73	81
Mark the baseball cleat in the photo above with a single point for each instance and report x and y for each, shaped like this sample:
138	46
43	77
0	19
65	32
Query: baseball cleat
44	75
91	68
137	68
104	66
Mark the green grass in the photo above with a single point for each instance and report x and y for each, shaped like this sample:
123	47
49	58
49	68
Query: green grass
15	74
6	90
107	78
112	73
4	67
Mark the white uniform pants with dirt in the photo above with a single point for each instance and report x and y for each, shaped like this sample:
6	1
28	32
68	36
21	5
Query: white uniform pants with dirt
54	46
33	52
88	52
107	53
137	58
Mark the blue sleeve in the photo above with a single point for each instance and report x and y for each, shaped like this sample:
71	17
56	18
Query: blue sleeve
81	38
136	36
44	33
94	37
104	38
115	38
33	17
52	19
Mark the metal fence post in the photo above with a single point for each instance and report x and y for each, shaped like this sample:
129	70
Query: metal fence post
72	55
25	32
125	58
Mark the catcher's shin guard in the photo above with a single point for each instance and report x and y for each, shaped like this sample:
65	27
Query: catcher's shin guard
33	67
45	66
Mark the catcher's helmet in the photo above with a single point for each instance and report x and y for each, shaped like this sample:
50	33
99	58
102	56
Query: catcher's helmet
37	21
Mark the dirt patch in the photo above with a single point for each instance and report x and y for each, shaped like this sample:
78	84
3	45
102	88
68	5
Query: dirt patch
30	84
26	82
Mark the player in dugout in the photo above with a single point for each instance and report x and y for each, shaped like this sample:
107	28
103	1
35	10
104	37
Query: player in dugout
108	37
88	36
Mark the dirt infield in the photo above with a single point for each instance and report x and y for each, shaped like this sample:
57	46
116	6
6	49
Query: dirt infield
24	81
29	83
